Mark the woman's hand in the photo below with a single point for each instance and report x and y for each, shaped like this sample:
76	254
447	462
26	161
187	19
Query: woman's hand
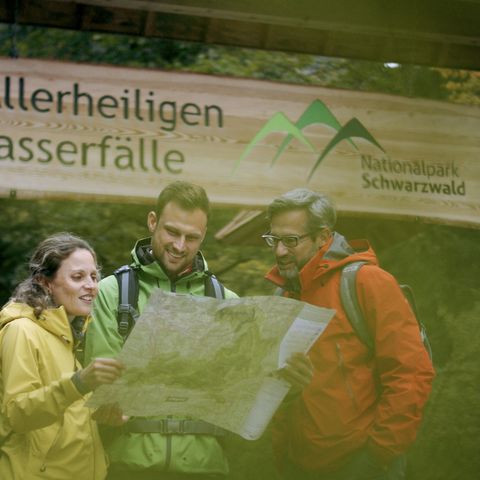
110	414
101	371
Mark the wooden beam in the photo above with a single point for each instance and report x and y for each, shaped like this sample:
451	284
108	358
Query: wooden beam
428	32
452	20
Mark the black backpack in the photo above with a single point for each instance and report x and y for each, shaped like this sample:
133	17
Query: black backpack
128	287
348	295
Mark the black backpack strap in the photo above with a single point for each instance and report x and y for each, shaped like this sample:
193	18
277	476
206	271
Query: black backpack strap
409	295
127	299
348	295
213	288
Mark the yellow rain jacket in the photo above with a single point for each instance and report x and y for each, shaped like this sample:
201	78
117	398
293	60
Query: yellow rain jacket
46	430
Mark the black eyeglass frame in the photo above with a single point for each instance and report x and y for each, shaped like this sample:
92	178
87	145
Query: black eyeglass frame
272	240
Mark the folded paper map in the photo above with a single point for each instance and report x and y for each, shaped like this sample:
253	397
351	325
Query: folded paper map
214	360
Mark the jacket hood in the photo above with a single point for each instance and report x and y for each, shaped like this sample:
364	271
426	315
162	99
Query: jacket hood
143	258
14	310
335	254
54	320
340	252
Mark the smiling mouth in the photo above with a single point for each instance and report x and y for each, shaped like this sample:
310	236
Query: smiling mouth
176	256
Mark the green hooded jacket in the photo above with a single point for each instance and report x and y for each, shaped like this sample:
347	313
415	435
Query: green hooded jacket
137	451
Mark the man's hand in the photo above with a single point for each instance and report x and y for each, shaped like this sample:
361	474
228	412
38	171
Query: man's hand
298	371
101	371
110	414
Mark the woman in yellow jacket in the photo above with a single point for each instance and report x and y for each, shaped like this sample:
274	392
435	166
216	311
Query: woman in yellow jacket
46	432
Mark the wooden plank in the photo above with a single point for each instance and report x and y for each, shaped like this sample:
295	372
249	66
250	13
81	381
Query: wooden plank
429	32
118	20
55	14
425	18
81	130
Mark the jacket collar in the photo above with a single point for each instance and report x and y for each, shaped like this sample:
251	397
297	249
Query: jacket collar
143	258
53	320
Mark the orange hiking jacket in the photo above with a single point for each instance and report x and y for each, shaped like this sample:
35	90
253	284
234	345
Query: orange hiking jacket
355	398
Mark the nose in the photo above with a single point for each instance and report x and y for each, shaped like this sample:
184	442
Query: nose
280	249
91	284
179	243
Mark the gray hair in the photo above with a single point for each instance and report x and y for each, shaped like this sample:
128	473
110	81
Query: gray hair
320	208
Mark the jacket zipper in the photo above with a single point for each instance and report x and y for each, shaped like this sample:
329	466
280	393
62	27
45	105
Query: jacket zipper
50	448
341	365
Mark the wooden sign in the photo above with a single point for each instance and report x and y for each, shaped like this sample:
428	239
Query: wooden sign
83	131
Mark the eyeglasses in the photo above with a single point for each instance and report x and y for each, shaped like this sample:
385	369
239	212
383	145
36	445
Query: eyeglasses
290	241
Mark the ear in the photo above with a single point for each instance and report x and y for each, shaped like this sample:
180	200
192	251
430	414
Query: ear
322	237
151	221
325	234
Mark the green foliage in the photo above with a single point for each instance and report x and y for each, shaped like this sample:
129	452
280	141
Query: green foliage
407	80
114	49
242	62
463	86
447	445
438	263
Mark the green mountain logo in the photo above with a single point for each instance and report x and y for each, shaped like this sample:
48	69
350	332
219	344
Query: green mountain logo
316	113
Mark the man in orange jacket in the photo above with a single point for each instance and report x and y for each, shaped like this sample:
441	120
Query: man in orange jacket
362	409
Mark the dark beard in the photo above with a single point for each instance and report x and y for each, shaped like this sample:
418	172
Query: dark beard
293	284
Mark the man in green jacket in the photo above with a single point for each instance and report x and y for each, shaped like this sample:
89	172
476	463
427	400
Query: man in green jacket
147	448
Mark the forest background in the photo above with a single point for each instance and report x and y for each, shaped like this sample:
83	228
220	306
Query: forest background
439	261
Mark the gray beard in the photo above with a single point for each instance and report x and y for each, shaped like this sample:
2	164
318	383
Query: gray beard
292	279
290	274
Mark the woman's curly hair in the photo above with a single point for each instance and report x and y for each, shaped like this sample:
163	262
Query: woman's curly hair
43	265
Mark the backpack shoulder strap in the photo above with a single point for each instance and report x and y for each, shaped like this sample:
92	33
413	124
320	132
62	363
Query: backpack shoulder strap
348	295
213	288
127	280
409	295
